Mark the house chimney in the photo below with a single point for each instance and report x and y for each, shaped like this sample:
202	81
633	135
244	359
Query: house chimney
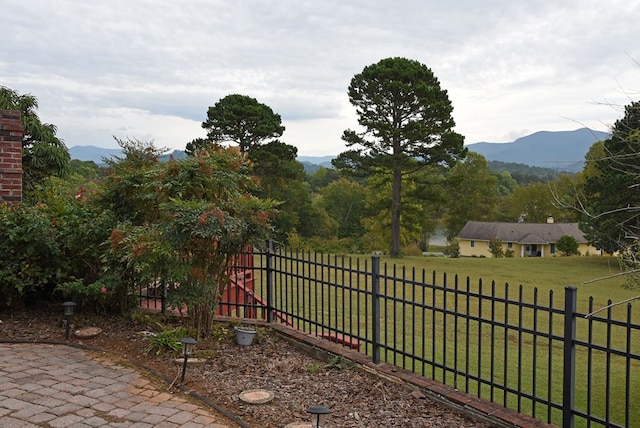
550	219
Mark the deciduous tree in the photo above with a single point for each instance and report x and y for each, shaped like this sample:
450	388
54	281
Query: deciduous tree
43	153
535	202
345	202
472	193
407	125
611	214
281	178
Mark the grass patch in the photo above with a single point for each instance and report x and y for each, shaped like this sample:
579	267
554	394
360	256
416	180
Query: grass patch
168	340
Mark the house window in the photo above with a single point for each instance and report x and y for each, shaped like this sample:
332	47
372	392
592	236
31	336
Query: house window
509	244
552	248
473	244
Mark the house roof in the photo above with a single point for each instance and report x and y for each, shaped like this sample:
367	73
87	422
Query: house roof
522	233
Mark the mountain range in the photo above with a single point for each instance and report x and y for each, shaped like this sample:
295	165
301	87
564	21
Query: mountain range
99	154
559	150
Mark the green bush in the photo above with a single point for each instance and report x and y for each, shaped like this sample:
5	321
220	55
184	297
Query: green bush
323	245
54	249
178	220
412	250
495	247
452	249
168	340
30	252
567	246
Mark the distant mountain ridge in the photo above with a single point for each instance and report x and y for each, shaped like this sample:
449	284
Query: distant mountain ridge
93	153
558	150
98	154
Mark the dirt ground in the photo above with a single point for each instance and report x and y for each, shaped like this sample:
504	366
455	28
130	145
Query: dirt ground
356	398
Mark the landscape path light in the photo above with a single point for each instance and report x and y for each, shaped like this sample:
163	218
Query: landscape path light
69	307
187	348
319	413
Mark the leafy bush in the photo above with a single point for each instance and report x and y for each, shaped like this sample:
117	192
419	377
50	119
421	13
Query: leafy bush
412	250
178	220
30	252
168	340
452	249
322	245
53	248
567	245
495	247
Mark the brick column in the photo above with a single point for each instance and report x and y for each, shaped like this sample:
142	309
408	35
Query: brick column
11	133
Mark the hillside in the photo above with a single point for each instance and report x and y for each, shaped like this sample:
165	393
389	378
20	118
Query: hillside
561	150
99	154
93	153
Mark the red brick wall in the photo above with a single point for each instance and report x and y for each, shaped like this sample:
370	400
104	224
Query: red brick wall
11	132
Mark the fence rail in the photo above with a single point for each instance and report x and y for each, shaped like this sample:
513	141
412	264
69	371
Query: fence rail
536	354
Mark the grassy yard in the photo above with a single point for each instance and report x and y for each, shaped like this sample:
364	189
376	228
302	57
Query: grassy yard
445	343
545	274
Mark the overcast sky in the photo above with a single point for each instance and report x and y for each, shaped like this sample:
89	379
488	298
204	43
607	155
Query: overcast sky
149	69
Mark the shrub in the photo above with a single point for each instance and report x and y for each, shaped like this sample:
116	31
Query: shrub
412	250
495	247
168	340
452	249
53	249
567	245
30	252
322	245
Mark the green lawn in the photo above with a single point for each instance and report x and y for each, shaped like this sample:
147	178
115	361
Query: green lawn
546	274
502	354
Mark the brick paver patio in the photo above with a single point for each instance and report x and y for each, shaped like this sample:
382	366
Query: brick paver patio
66	387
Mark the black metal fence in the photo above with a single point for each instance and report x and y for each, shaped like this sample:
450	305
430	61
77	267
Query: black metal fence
532	353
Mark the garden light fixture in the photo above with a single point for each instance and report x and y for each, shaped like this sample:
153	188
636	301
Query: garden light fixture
318	412
69	307
187	348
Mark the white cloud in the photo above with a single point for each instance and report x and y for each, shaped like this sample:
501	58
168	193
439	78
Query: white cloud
101	127
150	69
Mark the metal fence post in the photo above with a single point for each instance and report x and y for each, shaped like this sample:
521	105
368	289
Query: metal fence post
163	298
375	307
569	360
269	281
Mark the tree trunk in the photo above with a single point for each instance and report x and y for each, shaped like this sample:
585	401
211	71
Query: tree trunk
396	189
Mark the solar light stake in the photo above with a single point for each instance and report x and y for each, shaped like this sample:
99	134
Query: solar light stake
319	413
187	347
68	312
